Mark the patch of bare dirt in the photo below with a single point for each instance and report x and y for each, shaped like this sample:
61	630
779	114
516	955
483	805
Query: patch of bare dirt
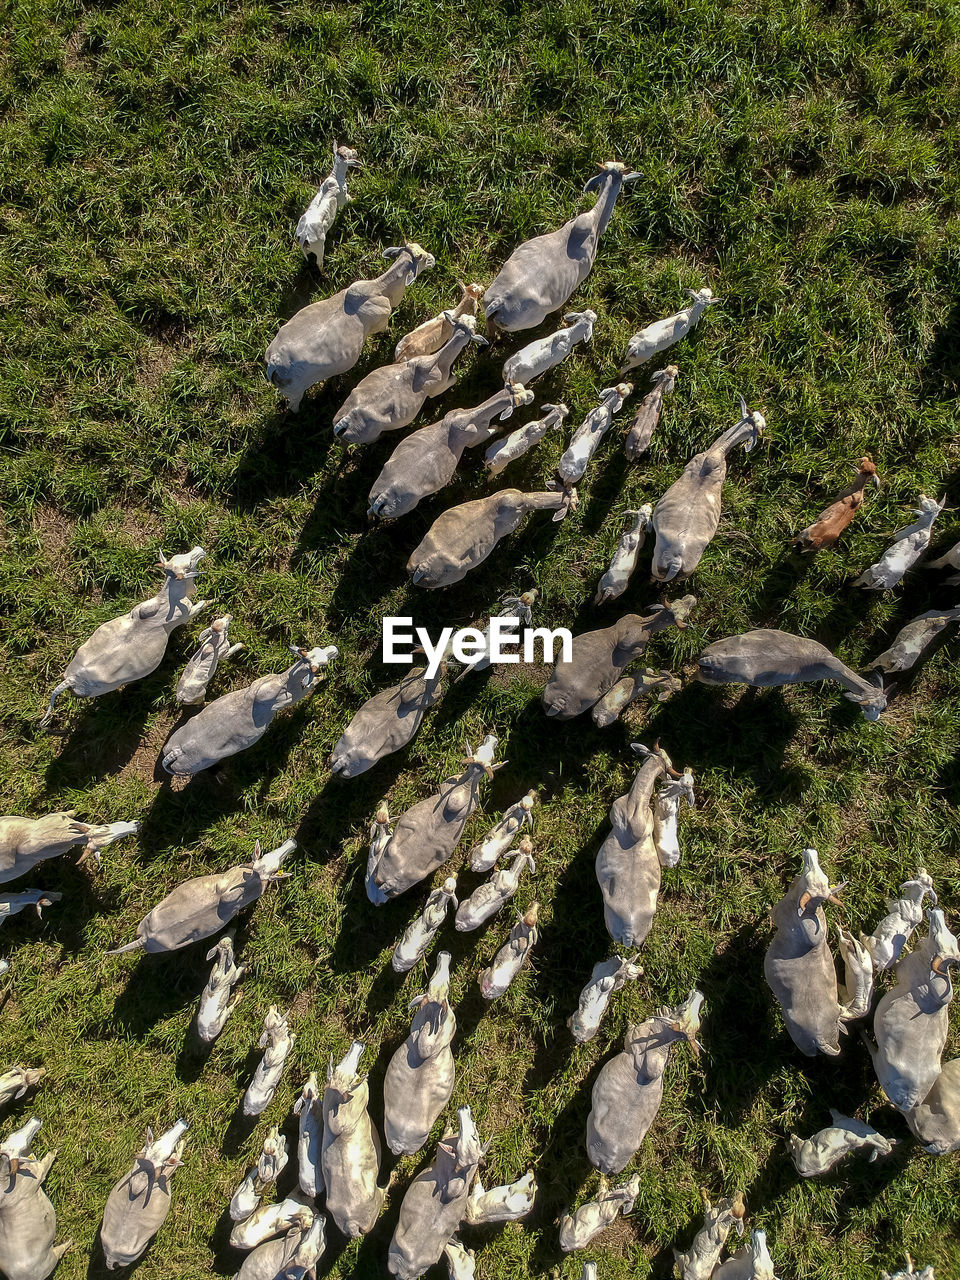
71	50
161	353
55	531
143	763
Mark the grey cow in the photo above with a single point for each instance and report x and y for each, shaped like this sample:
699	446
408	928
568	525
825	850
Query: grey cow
577	1229
326	338
138	1205
295	1257
648	415
587	437
800	970
308	1108
666	811
936	1120
421	1074
435	1202
216	1004
700	1262
537	358
131	646
768	659
465	536
542	273
322	210
495	980
817	1155
628	869
426	460
507	449
488	898
687	516
427	834
386	722
390	397
629	1089
912	1020
661	334
215	647
239	719
350	1157
24	842
911	640
202	906
28	1221
598	658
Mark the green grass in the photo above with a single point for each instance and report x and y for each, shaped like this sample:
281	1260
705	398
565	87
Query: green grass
801	160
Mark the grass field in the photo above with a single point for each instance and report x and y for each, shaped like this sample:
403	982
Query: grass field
799	159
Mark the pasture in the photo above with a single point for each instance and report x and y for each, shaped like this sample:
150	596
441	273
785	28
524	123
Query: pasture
800	159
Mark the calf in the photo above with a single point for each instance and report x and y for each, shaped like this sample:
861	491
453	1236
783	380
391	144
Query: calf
908	546
688	515
628	689
216	1005
586	439
277	1040
660	335
432	334
818	1155
608	977
912	639
648	415
215	647
538	357
509	960
322	210
436	1202
415	943
577	1229
718	1221
487	900
506	449
830	523
485	855
904	913
623	565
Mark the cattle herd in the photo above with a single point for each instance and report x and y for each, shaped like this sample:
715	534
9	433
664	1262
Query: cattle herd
339	1149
